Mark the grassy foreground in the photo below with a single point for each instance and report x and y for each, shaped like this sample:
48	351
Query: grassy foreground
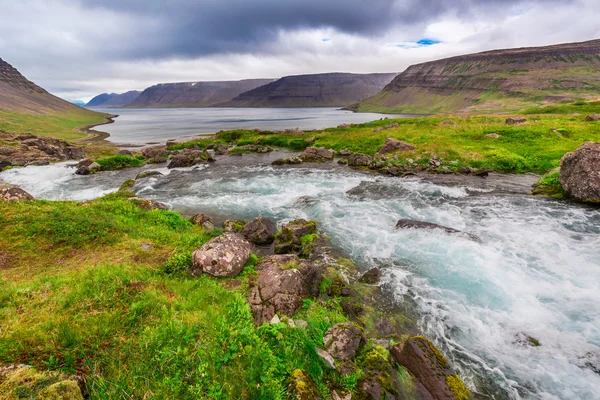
78	294
474	141
59	125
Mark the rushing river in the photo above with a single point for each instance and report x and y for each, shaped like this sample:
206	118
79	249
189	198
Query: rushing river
139	126
535	273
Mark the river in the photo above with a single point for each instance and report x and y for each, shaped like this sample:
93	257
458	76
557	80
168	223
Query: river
534	273
141	126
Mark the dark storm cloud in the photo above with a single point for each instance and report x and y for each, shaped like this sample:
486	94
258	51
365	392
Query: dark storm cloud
186	28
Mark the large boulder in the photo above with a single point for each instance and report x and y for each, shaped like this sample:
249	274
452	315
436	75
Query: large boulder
422	359
580	173
392	145
359	160
284	281
342	341
188	158
318	154
223	256
260	231
13	193
289	239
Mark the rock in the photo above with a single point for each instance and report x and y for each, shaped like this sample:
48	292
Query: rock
85	163
326	358
412	224
125	152
220	149
515	121
302	386
188	158
392	145
371	277
260	231
285	161
343	396
592	117
223	256
580	173
83	171
300	323
422	359
148	205
492	136
359	160
147	246
94	166
275	320
4	164
284	281
155	153
342	341
343	126
233	225
200	219
13	193
127	185
147	174
316	154
289	239
345	153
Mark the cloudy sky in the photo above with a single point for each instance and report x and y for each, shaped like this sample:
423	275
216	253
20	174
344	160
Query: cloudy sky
79	48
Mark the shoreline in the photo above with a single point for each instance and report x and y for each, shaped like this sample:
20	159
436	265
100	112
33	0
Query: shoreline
97	137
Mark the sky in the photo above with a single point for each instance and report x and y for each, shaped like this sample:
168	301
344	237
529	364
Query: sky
79	48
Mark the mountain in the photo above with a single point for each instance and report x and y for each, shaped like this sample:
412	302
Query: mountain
193	94
493	81
19	95
77	103
101	99
122	100
319	90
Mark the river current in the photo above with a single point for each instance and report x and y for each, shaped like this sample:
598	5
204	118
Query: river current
535	273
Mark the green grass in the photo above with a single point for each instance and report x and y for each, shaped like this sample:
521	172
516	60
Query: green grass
536	146
78	294
58	125
120	161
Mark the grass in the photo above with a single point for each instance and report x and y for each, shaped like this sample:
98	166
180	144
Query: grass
536	146
58	125
78	295
120	161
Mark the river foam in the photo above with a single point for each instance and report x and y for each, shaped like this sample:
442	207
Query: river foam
534	274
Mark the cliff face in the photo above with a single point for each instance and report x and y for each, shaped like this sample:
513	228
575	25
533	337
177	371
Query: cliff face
18	94
319	90
193	94
494	79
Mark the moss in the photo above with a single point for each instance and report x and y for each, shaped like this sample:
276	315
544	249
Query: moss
549	185
533	341
302	387
290	265
127	185
459	390
26	382
306	244
119	161
425	344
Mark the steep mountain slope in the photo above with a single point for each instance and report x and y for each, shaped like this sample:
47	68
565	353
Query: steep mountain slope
18	94
319	90
101	99
494	80
193	94
122	100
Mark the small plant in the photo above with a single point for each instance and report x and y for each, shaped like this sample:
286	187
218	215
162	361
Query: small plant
178	262
119	161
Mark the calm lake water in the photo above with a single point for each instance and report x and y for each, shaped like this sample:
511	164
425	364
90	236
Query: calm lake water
140	126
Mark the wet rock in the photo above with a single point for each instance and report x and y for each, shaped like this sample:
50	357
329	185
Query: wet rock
371	277
4	164
188	158
359	160
422	359
412	224
127	185
233	225
260	231
302	387
223	256
580	173
283	282
289	239
522	339
592	117
147	174
13	193
316	154
287	161
392	145
83	171
342	341
148	205
515	121
155	154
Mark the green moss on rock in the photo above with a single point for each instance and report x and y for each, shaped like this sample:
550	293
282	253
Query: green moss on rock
459	390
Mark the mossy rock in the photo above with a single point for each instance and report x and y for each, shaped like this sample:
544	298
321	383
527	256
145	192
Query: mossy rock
22	381
127	186
302	386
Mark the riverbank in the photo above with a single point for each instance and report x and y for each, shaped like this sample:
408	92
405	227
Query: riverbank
97	137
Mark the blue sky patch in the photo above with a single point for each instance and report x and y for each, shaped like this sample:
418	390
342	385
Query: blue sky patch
427	42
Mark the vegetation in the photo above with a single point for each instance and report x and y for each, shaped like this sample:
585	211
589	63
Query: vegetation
535	146
59	125
120	161
549	185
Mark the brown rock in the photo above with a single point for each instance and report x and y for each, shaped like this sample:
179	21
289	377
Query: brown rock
580	173
492	136
13	193
200	219
359	160
125	152
392	145
148	205
371	277
155	152
188	158
223	256
289	239
260	231
342	341
316	154
233	225
592	117
515	121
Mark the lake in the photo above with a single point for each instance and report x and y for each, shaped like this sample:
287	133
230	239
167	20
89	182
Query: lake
141	126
